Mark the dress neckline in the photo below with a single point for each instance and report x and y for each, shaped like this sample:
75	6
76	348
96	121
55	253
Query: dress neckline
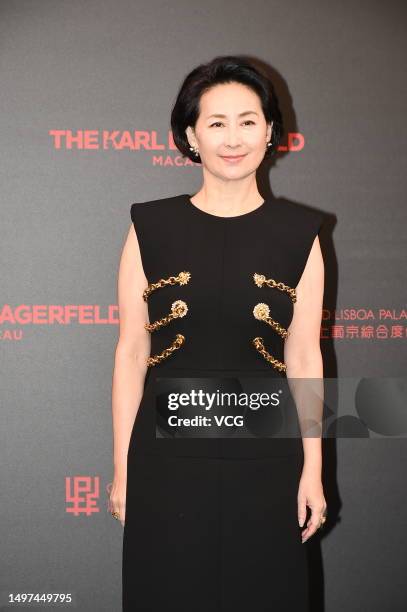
199	211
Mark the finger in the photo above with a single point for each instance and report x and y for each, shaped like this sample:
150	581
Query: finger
313	521
306	532
302	511
307	527
313	525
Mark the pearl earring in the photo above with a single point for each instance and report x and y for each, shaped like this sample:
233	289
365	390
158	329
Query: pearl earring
194	150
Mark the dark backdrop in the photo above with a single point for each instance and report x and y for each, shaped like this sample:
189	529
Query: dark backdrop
86	92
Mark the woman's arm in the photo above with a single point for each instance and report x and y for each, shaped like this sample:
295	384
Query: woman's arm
302	355
132	351
302	352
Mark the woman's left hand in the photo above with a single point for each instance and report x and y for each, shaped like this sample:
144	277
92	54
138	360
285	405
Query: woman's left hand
310	493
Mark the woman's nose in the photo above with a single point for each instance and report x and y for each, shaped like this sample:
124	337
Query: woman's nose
232	138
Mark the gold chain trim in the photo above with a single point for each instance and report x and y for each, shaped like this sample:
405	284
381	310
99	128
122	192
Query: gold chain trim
261	311
181	279
176	343
259	345
261	280
178	309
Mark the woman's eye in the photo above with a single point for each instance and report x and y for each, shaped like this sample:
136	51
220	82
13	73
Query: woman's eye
220	123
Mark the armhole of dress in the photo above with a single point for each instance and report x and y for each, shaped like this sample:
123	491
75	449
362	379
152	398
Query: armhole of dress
133	215
138	229
313	230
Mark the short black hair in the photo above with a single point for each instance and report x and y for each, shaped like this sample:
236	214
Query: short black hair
223	69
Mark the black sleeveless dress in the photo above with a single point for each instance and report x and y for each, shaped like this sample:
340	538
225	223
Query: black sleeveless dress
211	522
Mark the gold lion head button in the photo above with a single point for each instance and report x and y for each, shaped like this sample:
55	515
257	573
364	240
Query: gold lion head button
259	279
179	308
261	311
184	277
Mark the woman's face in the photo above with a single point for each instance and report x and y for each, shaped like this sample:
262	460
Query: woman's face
231	123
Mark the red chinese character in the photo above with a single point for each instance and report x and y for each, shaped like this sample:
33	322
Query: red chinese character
82	492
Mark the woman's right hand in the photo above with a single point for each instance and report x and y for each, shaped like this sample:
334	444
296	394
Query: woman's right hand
117	499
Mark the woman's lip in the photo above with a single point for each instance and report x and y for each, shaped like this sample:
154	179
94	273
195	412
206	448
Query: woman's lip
233	156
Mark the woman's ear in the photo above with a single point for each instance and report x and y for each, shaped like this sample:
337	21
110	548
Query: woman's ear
190	134
269	131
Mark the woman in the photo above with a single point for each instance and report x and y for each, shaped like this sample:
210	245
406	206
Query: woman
212	522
